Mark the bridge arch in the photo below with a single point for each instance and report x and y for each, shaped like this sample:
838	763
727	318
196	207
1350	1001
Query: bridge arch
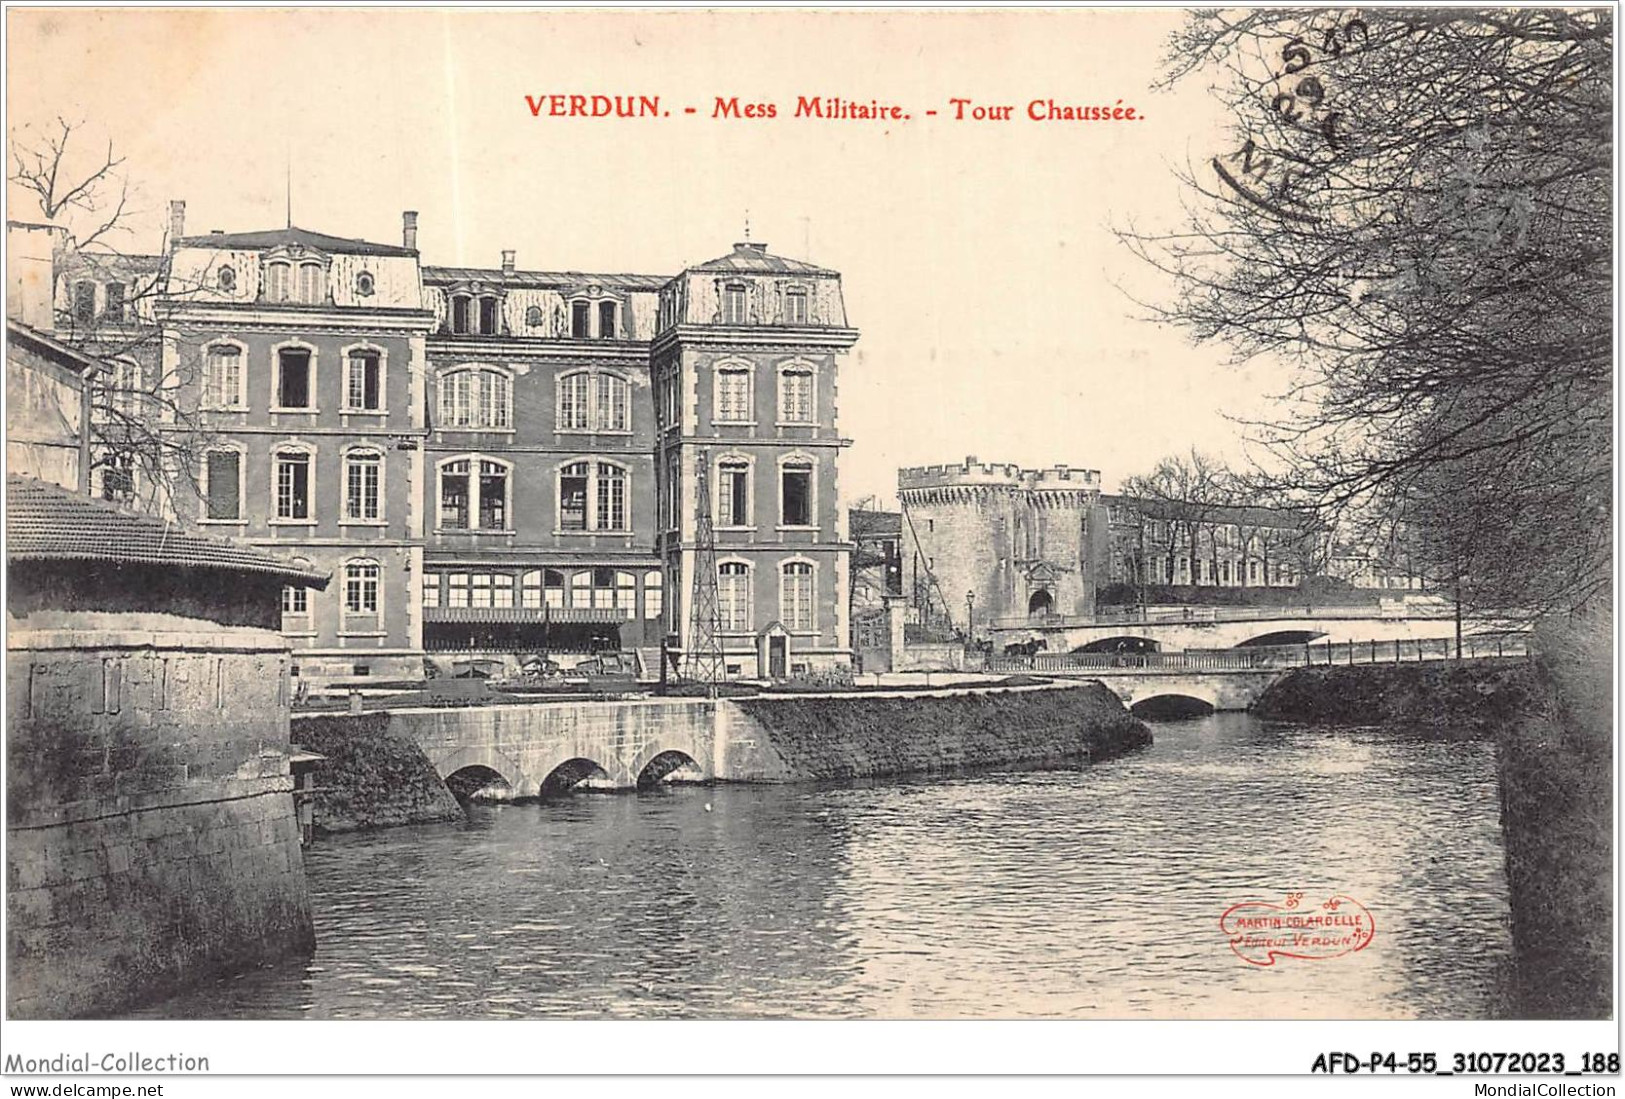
477	757
662	764
466	782
567	774
1282	637
1171	707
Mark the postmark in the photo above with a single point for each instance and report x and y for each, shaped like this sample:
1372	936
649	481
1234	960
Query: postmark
1261	931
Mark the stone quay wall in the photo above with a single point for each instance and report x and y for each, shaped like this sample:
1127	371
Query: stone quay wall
151	840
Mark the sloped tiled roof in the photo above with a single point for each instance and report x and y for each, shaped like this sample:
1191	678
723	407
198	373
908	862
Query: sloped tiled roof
751	256
47	523
43	343
272	238
541	280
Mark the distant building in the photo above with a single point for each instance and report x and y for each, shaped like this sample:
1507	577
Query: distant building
1029	543
48	405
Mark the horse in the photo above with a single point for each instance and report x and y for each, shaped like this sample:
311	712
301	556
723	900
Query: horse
1026	648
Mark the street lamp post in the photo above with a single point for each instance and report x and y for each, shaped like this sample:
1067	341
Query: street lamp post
970	620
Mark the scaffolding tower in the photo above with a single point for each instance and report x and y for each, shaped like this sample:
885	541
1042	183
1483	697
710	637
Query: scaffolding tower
703	663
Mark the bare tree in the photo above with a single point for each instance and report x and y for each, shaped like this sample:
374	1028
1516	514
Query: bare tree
1187	492
146	435
1414	214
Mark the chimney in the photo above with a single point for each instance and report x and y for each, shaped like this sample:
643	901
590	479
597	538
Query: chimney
507	261
409	230
177	222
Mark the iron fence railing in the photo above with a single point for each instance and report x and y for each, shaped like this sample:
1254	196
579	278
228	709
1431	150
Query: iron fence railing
1250	658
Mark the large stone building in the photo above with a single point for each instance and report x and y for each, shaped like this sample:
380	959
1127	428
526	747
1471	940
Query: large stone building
1007	544
496	460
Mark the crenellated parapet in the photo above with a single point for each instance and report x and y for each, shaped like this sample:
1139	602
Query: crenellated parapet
973	482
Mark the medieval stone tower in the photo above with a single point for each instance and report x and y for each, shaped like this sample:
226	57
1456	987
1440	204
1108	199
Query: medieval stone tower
1017	541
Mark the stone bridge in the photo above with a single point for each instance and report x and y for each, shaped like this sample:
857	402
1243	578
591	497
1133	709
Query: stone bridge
1169	629
1236	690
550	747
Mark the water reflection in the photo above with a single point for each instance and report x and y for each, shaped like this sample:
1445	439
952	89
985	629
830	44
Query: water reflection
1067	894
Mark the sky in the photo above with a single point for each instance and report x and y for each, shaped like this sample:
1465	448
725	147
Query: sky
996	306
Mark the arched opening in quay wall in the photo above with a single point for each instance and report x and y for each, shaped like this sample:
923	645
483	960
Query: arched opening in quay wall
1282	637
1171	707
667	766
570	774
479	783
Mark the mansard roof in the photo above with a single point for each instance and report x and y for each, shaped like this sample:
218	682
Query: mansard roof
47	523
293	235
752	257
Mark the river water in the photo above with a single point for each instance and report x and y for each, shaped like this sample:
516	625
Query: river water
1079	894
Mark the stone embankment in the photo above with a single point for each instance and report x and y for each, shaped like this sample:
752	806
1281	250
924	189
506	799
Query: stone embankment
1551	719
371	778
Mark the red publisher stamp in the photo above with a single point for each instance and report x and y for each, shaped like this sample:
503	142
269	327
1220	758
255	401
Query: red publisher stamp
1262	931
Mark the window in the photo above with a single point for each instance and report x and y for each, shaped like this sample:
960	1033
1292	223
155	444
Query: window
278	281
573	496
489	316
574	409
796	395
480	592
614	403
226	279
673	399
292	485
361	587
363	381
733	493
796	597
1224	572
502	590
734	303
626	593
795	494
674	490
580	319
733	596
114	310
457	590
1252	572
606	320
222	488
795	306
295	600
293	381
651	594
84	302
118	477
533	317
733	395
478	398
493	495
581	589
459	314
611	497
484	499
553	587
364	284
312	283
363	469
223	376
431	591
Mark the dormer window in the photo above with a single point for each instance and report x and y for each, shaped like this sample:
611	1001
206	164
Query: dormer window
312	283
364	286
795	305
580	320
533	317
733	303
459	314
226	279
606	320
488	316
278	280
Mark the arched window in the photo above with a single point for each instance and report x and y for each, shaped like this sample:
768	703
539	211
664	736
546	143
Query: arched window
363	483
733	491
361	587
588	400
626	593
475	494
533	317
796	607
651	593
278	281
490	316
226	278
293	473
295	381
573	496
223	376
312	283
733	399
364	284
796	394
475	398
553	588
796	492
733	596
364	379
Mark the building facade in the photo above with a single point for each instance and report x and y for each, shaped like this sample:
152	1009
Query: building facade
744	367
491	461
